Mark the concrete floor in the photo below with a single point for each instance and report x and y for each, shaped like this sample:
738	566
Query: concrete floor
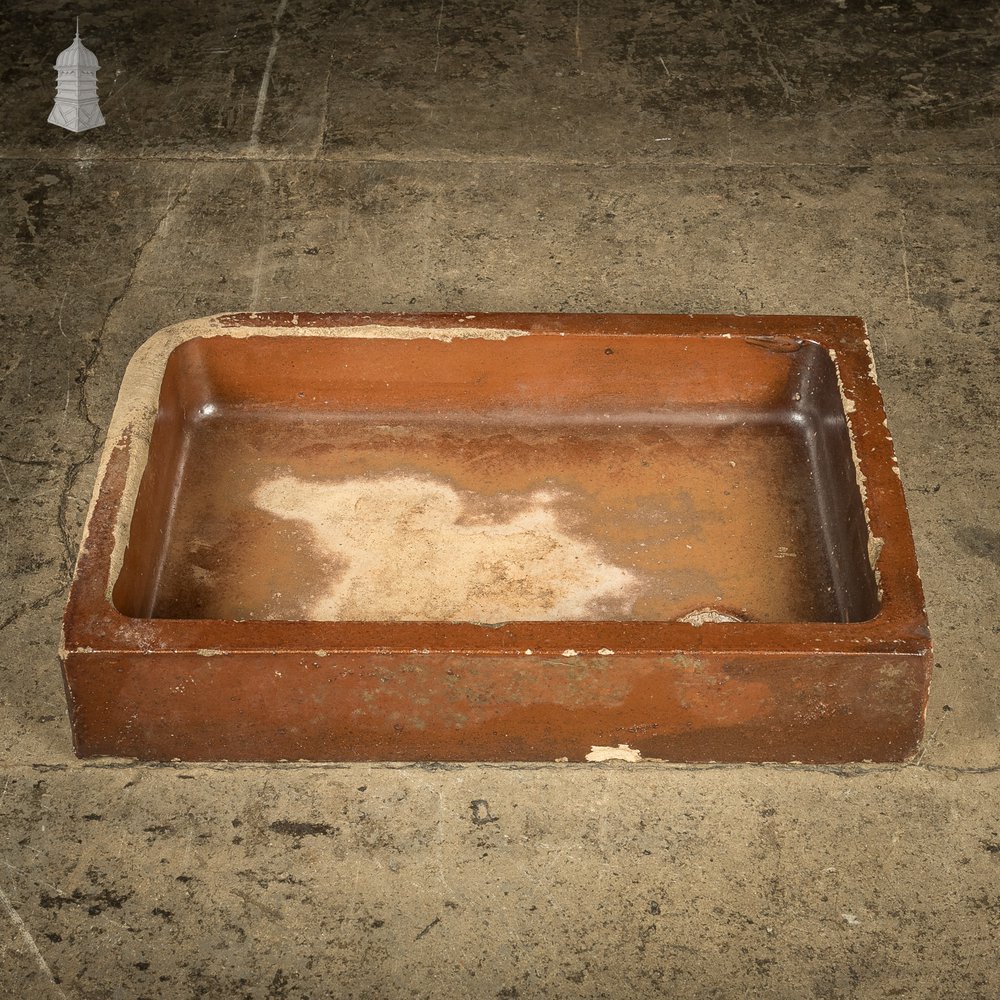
789	157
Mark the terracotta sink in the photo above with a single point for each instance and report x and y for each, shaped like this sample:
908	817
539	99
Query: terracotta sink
499	537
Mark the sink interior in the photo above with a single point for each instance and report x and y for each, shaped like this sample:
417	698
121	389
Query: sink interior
537	478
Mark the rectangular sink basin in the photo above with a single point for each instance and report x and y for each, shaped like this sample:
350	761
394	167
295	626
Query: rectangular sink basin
498	538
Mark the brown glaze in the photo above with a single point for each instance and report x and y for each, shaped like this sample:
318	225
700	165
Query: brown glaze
577	491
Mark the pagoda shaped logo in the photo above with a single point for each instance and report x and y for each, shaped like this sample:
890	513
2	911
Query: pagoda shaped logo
76	106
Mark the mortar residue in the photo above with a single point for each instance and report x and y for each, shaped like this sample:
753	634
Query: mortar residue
623	751
403	547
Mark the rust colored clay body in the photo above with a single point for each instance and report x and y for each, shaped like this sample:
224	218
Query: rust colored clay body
499	537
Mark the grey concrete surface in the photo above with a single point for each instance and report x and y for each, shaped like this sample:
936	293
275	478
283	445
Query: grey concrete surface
733	157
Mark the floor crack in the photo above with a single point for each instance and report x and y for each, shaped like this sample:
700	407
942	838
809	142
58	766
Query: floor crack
35	605
26	936
74	468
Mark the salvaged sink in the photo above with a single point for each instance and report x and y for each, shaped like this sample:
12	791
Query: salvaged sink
498	538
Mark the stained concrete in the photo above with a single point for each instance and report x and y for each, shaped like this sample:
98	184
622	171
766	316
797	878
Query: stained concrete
746	157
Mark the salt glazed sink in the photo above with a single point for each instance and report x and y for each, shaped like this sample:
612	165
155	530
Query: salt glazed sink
513	537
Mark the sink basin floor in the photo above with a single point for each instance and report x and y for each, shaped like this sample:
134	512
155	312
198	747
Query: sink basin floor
456	520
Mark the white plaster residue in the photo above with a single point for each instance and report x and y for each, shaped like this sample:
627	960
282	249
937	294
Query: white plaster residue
872	372
875	550
707	616
604	651
570	652
406	547
621	752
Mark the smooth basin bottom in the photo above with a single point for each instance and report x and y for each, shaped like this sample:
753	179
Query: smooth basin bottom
290	517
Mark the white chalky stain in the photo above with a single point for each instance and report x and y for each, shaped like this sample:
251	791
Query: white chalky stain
621	752
401	547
